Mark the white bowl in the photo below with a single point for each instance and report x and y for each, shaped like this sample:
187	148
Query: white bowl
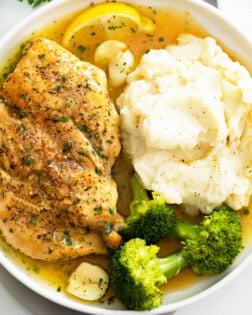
220	28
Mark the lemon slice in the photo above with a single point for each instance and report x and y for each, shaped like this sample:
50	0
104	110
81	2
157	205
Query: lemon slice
110	20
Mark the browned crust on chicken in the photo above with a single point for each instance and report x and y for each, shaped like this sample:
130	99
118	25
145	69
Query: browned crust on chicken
59	137
40	230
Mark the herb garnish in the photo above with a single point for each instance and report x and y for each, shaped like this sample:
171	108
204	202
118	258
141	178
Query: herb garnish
35	3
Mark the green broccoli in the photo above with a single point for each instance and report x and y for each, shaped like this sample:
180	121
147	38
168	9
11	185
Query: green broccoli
150	219
211	245
208	247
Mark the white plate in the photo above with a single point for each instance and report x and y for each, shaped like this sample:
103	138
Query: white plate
29	304
239	12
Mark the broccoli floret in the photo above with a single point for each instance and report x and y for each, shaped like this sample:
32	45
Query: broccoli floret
150	219
136	275
209	248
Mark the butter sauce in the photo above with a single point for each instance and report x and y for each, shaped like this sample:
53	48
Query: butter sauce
169	24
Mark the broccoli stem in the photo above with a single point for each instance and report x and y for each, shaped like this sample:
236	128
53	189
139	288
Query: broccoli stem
172	264
140	197
150	217
139	193
185	230
208	247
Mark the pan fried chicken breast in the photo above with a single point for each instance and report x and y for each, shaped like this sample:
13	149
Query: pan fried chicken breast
59	138
38	229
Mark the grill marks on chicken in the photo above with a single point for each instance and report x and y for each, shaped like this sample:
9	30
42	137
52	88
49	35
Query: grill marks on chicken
59	138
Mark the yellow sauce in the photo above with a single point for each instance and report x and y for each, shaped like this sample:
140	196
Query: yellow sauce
187	277
169	24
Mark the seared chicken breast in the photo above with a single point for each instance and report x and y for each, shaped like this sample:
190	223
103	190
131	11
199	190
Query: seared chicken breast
59	138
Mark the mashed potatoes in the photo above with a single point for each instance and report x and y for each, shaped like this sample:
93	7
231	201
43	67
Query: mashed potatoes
186	125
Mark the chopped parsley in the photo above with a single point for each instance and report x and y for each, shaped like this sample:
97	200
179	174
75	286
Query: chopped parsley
100	283
26	149
83	128
67	105
81	48
78	200
50	250
68	241
64	119
63	78
246	211
97	151
35	3
22	127
33	219
98	210
30	160
58	88
22	115
98	172
23	96
82	153
41	56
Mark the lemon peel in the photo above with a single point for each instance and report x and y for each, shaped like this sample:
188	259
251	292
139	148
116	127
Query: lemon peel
103	14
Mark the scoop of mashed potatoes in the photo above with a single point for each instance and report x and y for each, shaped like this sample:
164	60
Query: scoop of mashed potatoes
186	124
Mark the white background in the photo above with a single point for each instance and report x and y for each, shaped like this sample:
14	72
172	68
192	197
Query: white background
233	299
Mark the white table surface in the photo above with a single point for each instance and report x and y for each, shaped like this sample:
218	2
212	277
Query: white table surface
233	299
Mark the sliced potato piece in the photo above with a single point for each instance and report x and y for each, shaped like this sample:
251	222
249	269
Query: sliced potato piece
88	282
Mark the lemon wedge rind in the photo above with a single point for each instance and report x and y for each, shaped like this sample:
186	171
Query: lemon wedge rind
97	13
